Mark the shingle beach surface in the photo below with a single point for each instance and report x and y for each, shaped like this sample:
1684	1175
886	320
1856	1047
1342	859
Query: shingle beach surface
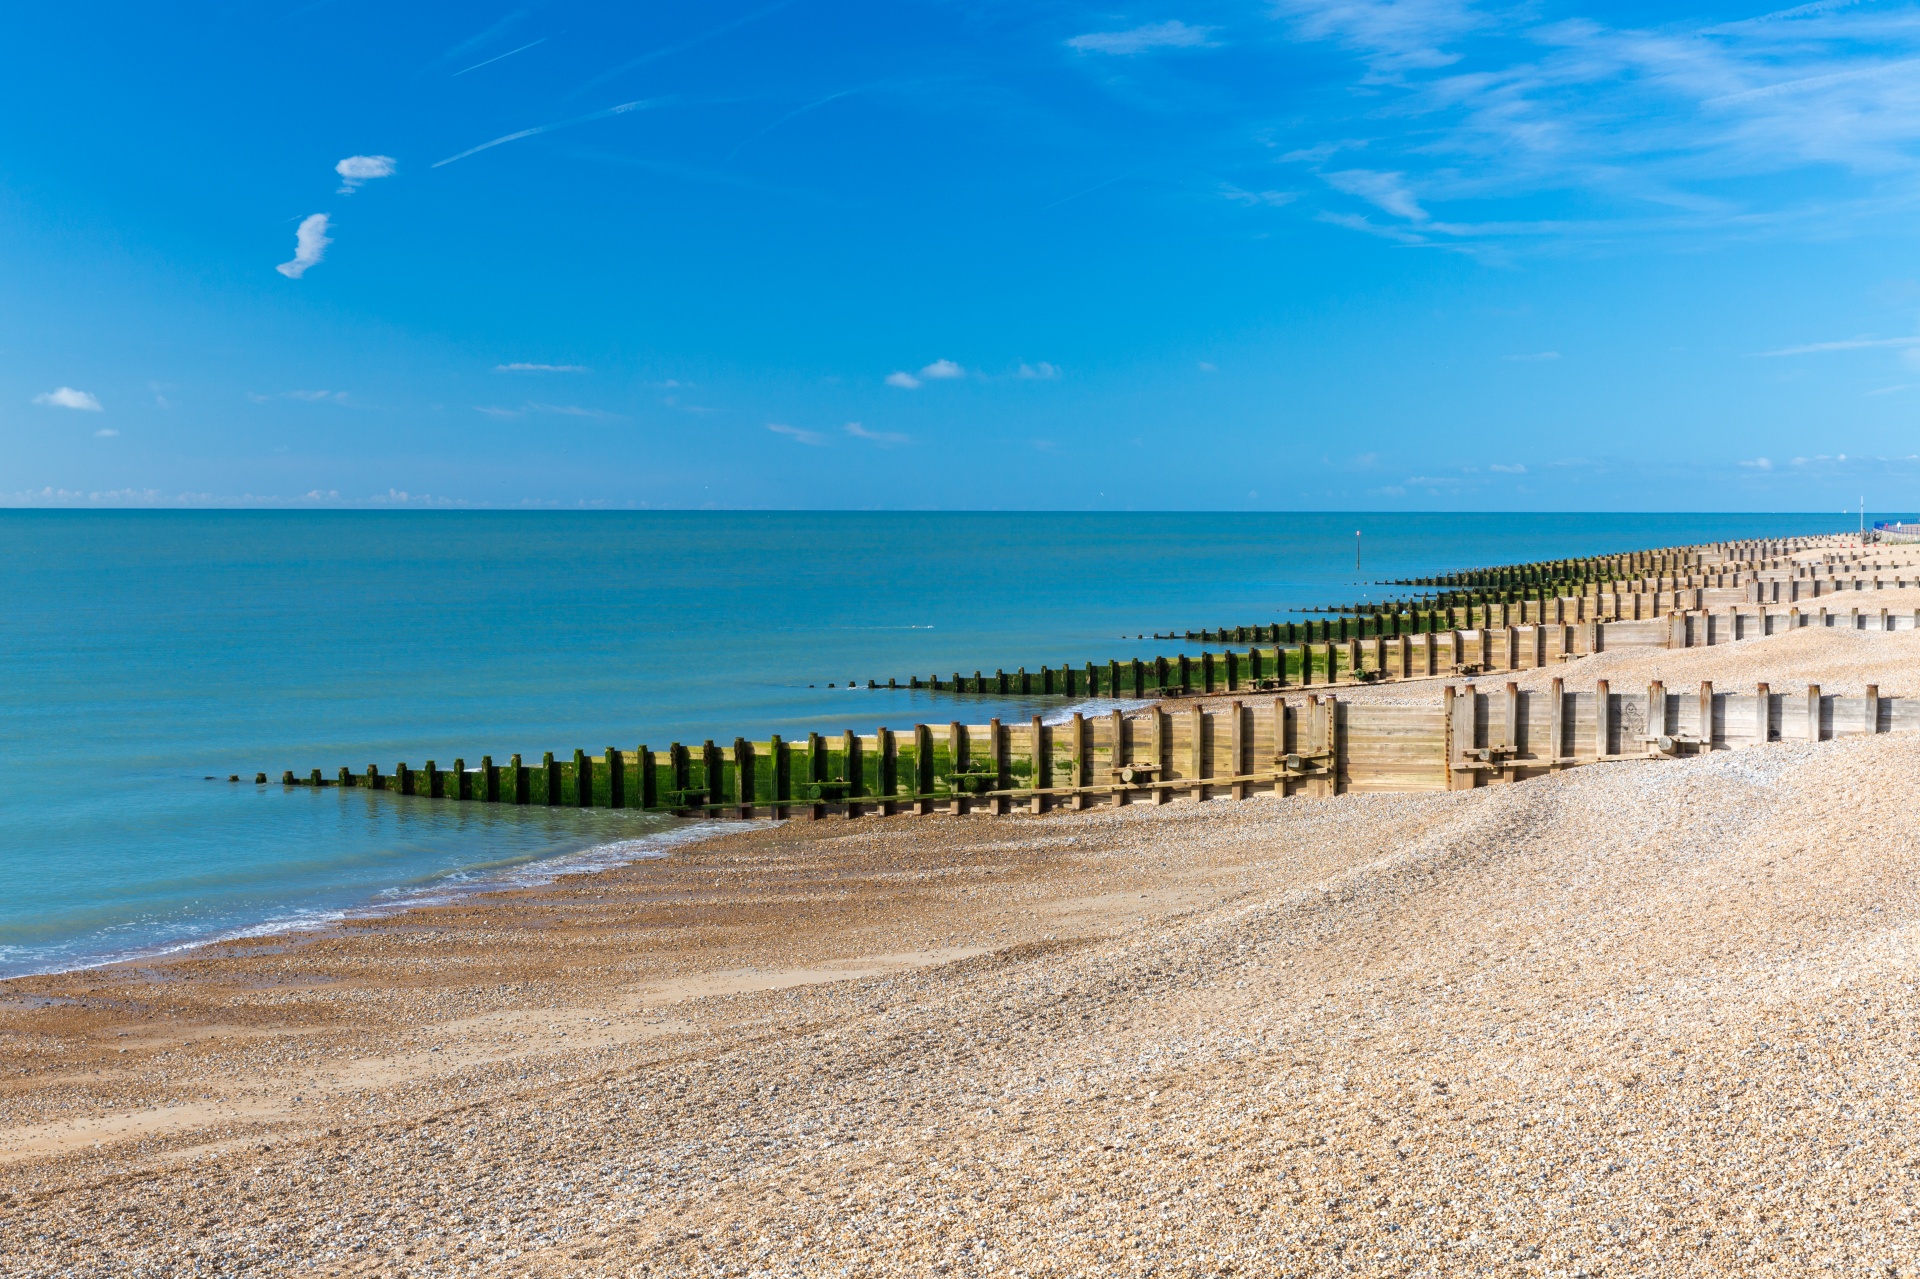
1640	1018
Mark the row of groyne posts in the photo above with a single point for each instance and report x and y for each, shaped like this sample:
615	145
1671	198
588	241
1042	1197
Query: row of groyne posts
1313	743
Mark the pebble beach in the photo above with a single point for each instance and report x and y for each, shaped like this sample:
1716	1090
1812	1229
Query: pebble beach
1634	1018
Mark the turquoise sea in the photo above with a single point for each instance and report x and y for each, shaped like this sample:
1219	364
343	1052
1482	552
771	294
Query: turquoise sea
144	652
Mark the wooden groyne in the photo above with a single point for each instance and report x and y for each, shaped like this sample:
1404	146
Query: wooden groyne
1317	744
1283	727
1641	586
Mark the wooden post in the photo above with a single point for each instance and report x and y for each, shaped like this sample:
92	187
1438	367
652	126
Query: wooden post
1656	709
889	769
1306	665
551	768
1118	757
1036	741
1706	714
1602	720
1329	785
649	784
1813	712
923	779
582	779
1232	660
1512	640
522	786
432	770
1206	672
779	758
1082	763
462	783
1556	723
713	772
957	756
1430	642
997	744
817	772
489	780
850	757
1510	729
1873	705
743	777
1197	754
1237	748
1160	742
616	778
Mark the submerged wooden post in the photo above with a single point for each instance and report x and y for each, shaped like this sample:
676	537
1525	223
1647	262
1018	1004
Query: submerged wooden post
522	784
489	780
432	770
582	779
616	766
552	779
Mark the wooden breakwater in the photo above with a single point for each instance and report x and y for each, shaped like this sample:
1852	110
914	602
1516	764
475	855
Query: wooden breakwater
1641	586
1317	744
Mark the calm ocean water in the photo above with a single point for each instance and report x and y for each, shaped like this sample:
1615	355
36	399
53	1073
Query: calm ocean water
141	652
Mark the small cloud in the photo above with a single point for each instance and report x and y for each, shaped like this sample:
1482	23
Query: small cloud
905	381
492	410
67	398
1041	372
1154	35
1504	469
885	439
1888	390
941	369
106	432
797	435
1208	366
316	397
1272	199
569	410
357	170
1536	356
309	246
546	368
1046	446
1764	464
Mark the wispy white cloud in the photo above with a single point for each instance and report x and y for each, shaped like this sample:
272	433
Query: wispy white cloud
798	436
309	246
1509	468
1270	199
1173	34
66	397
904	380
1844	344
357	170
1040	372
1535	357
106	432
1758	464
498	58
538	129
541	368
941	369
885	439
1800	121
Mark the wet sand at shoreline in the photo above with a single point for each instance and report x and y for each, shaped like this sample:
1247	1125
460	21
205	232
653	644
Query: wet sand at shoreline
1634	1018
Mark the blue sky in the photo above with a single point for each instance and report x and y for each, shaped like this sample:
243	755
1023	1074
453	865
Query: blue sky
1424	254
